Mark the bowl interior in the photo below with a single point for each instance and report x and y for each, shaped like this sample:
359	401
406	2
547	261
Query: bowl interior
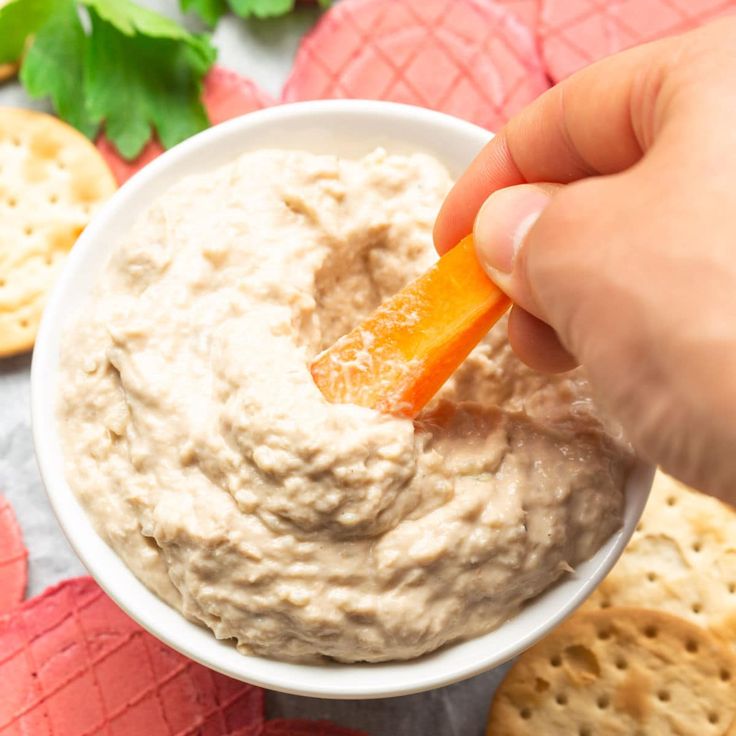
347	128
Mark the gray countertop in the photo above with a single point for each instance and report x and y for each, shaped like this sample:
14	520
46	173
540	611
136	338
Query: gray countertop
263	51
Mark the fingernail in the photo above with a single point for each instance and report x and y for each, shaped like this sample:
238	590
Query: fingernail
502	224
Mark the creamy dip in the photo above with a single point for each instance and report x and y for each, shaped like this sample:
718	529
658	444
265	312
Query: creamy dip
207	458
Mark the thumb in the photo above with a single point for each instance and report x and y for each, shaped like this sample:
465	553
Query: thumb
559	252
634	275
501	227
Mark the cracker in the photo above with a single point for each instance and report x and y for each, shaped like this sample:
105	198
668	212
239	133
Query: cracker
619	672
681	559
52	180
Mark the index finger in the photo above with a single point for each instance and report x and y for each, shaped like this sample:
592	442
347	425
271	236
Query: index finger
596	122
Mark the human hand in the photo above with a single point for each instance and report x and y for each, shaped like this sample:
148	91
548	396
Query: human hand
629	269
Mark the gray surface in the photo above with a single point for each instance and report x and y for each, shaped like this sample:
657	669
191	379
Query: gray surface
263	51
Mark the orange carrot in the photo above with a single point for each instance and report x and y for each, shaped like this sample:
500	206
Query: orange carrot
399	357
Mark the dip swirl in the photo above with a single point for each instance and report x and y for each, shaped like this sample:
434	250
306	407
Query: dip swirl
207	458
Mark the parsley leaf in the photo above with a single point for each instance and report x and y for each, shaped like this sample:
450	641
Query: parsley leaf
162	76
130	68
53	65
18	20
210	11
261	8
130	18
143	70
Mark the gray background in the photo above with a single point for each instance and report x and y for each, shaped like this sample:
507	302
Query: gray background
262	50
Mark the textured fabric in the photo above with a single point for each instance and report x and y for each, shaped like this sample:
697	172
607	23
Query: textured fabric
73	664
574	33
471	58
13	559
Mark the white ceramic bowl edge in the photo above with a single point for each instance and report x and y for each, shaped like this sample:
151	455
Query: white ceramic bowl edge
348	128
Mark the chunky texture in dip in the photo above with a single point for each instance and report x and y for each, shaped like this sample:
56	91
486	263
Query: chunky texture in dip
206	456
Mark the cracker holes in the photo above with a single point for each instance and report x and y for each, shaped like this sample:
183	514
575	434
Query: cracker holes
696	608
561	699
639	527
671	501
23	323
28	231
732	588
603	702
12	202
604	634
53	198
621	664
663	696
2	283
691	646
605	603
713	718
585	731
15	141
725	675
525	713
696	546
651	577
556	660
650	632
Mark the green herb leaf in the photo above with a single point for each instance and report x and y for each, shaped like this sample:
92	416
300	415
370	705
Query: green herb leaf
261	8
18	20
53	65
143	70
130	19
210	11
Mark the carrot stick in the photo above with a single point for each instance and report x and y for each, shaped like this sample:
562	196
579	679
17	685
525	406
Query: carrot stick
399	357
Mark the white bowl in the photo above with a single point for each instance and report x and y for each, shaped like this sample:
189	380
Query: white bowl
347	128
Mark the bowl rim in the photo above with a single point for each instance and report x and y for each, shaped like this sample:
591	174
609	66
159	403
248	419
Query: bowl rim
330	680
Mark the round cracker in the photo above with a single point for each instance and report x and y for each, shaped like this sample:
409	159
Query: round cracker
52	180
681	559
619	672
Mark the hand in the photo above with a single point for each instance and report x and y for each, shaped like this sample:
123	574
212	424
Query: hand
624	257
